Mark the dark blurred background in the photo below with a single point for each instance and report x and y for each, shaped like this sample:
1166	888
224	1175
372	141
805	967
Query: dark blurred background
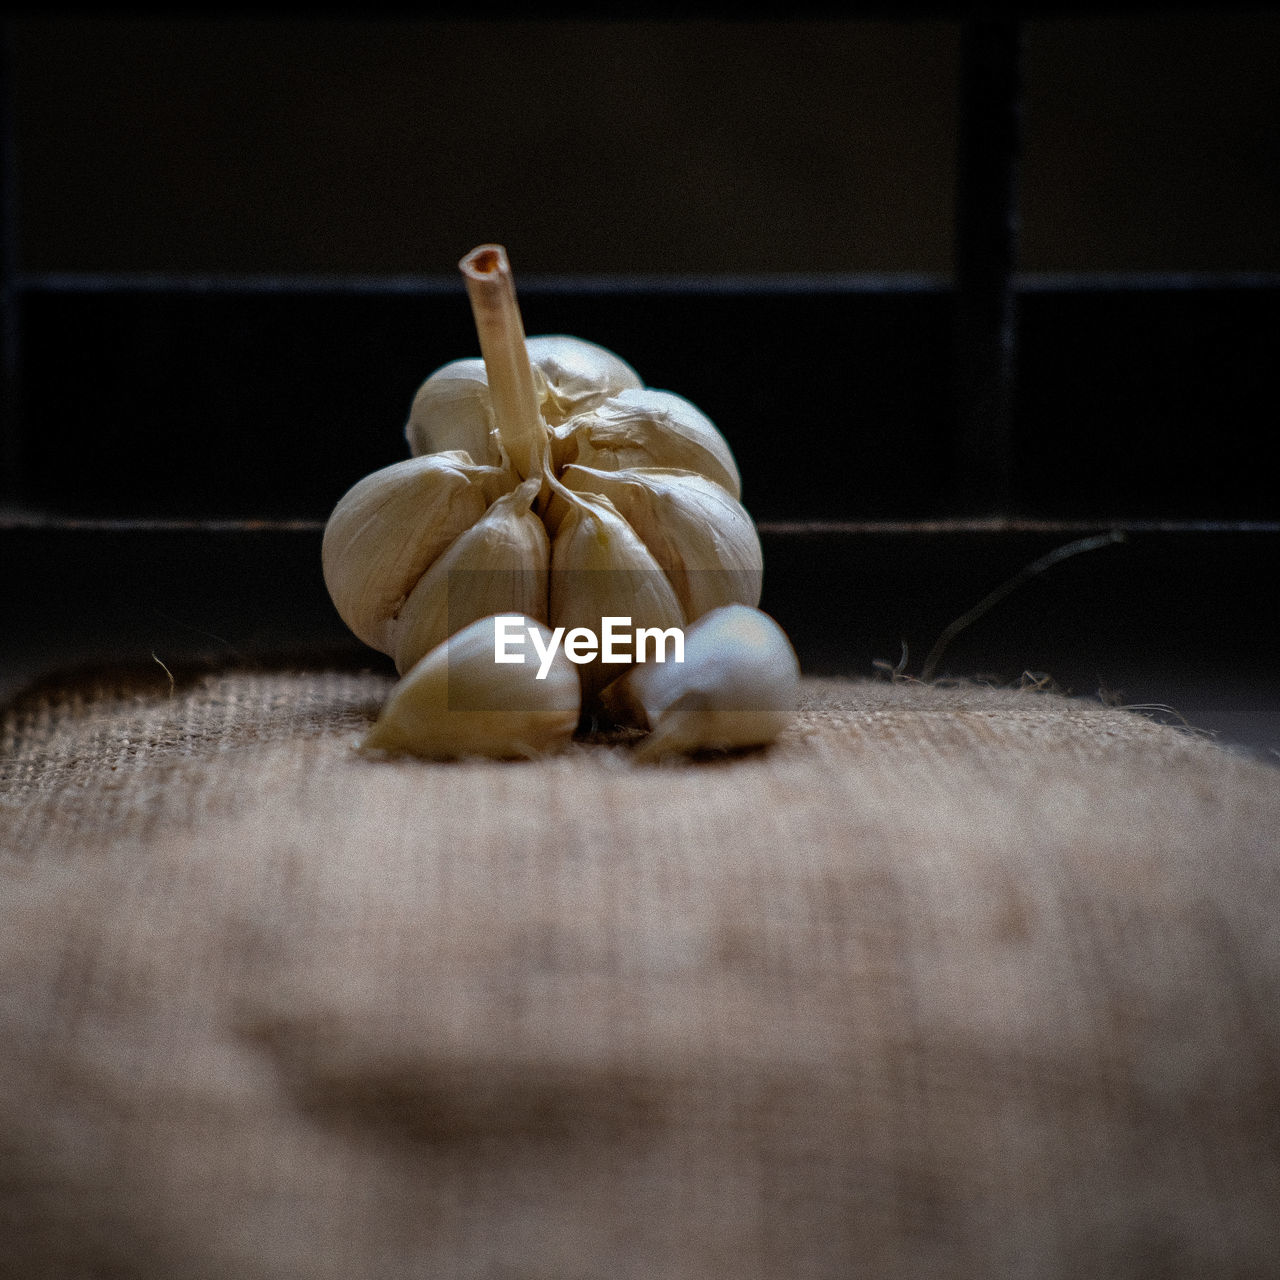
263	144
229	259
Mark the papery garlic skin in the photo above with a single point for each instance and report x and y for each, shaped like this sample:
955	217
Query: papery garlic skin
574	376
388	529
738	686
452	409
499	565
703	539
600	568
457	701
644	427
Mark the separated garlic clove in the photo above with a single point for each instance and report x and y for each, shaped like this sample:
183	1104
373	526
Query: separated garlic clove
459	701
600	569
643	427
388	528
499	565
738	686
701	537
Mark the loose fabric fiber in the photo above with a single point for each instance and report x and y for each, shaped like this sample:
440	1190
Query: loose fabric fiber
950	982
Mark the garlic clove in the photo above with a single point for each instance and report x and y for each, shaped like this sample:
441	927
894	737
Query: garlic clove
575	375
738	686
499	565
388	528
701	537
452	410
643	427
457	701
600	568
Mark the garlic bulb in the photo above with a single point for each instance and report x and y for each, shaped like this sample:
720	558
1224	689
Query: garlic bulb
456	701
546	481
737	687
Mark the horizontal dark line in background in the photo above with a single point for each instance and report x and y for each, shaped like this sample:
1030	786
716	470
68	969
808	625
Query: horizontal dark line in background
1009	524
782	283
23	520
36	520
127	282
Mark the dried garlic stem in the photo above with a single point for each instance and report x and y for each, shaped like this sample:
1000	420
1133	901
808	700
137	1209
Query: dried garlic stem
506	359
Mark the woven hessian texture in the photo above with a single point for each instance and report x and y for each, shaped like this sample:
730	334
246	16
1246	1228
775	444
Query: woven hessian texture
951	982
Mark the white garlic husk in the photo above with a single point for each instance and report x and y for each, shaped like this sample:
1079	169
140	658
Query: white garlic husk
644	427
388	530
452	409
600	569
702	537
457	701
738	686
499	564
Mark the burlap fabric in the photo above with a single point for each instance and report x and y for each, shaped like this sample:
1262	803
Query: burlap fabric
949	983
